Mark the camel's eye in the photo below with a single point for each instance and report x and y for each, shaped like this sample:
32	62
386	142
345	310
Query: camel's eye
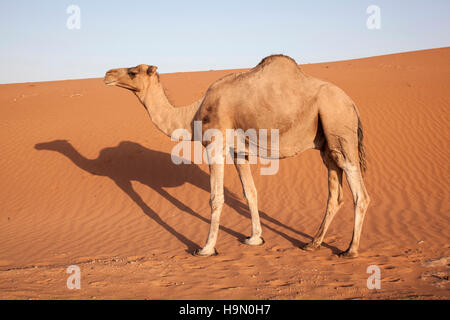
132	73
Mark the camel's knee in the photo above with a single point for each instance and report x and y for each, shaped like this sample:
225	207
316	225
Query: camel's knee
250	195
336	199
364	202
216	201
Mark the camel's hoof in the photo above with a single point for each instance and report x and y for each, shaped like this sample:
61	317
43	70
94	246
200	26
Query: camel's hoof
197	253
348	255
257	241
311	247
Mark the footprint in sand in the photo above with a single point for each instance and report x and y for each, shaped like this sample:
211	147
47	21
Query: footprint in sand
277	283
437	279
437	262
337	284
97	284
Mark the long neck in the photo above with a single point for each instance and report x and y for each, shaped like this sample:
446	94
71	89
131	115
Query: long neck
163	114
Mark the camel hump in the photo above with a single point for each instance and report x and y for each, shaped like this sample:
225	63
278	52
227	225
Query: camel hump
276	63
277	58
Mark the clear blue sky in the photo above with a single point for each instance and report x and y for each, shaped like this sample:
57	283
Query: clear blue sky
36	45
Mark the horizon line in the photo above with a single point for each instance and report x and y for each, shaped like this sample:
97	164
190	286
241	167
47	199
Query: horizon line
235	68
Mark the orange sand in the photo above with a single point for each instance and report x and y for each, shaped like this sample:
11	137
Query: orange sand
110	200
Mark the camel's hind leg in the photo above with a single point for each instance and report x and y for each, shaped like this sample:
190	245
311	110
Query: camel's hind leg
346	157
250	195
335	199
361	202
343	132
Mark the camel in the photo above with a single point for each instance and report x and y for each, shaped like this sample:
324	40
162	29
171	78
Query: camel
308	113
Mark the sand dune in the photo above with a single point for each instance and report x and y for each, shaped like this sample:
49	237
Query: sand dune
86	179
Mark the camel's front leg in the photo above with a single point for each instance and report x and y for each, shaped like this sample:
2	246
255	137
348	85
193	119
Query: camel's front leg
216	202
250	194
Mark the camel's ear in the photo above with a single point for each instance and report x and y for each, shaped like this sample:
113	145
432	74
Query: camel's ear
151	69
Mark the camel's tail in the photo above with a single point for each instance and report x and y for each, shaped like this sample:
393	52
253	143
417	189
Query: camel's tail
361	151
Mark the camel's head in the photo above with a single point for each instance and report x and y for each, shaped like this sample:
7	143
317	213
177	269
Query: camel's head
135	79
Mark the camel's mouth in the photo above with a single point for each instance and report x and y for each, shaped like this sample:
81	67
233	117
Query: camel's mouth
110	82
125	86
117	83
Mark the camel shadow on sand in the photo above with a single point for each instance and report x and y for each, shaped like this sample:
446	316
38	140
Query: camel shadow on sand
130	161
